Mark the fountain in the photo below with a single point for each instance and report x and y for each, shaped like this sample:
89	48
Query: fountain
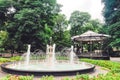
28	55
40	63
50	57
72	55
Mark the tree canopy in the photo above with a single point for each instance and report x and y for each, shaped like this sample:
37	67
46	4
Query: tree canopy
77	20
111	13
81	22
31	23
3	37
61	35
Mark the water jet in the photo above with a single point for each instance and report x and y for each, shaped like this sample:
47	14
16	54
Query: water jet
40	63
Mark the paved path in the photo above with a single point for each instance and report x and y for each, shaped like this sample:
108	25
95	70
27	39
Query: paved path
2	74
116	59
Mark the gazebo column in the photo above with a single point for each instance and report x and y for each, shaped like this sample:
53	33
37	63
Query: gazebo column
98	44
75	46
90	44
101	47
81	45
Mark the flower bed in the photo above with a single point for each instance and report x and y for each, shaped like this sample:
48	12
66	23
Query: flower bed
16	77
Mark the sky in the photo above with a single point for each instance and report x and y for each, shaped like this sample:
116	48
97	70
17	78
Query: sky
93	7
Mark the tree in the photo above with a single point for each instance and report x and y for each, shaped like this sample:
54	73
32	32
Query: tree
3	39
61	24
93	25
61	35
4	5
77	20
31	23
111	13
81	22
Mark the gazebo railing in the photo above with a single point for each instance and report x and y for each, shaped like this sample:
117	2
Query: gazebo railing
93	54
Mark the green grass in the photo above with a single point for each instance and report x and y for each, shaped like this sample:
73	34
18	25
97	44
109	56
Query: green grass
112	66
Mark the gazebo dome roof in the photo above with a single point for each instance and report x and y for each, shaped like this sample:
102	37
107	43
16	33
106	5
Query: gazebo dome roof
90	36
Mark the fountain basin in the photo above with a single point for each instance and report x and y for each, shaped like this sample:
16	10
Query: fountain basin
60	69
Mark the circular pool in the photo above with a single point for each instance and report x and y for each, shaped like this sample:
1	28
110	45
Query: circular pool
42	68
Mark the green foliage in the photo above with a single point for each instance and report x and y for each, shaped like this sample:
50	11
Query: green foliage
77	20
3	38
66	78
63	41
47	78
26	77
32	23
111	14
6	77
3	60
104	63
114	31
62	58
111	11
4	4
16	58
61	23
81	22
2	50
16	77
45	34
82	77
109	76
93	25
61	35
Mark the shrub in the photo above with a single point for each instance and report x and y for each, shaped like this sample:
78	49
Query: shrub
3	60
16	77
16	58
47	78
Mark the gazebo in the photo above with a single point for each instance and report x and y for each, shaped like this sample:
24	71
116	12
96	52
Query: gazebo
90	44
